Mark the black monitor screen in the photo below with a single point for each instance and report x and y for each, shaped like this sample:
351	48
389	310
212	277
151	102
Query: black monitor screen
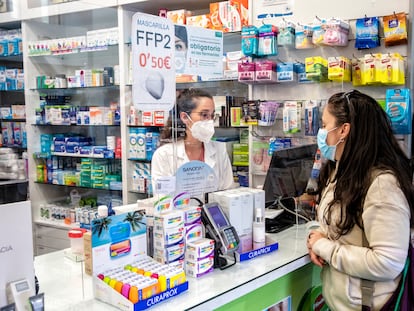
289	172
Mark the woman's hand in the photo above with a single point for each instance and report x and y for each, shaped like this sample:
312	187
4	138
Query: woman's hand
312	238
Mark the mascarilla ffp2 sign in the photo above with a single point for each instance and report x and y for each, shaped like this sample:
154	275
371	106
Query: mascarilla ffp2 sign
153	62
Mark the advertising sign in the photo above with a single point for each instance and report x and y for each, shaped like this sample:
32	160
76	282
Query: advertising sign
199	51
153	62
196	178
16	246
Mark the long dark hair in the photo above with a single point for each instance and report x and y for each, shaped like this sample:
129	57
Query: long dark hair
187	101
370	145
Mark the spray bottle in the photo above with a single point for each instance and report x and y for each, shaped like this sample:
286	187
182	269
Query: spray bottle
259	234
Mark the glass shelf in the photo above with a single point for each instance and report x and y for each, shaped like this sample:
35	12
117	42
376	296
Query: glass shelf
76	125
12	58
76	89
12	120
74	51
74	186
44	155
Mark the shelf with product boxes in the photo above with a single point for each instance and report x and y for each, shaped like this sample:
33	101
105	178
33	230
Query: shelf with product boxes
143	139
78	170
73	104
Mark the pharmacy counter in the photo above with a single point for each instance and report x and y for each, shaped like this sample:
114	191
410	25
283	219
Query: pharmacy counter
272	277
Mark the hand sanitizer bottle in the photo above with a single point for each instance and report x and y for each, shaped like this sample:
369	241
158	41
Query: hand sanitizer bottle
259	234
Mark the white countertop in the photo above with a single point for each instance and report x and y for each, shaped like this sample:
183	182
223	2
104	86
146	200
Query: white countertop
61	278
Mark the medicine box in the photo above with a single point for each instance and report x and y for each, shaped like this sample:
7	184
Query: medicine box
193	232
167	237
199	249
199	268
238	207
169	220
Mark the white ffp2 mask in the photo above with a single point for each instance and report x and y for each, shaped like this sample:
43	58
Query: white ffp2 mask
202	130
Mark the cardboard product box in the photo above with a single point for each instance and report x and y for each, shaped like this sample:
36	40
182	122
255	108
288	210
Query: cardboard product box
229	16
202	20
87	252
178	16
119	245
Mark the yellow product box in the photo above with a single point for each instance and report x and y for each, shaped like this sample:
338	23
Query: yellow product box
178	16
242	148
235	116
392	69
371	69
339	69
241	158
202	20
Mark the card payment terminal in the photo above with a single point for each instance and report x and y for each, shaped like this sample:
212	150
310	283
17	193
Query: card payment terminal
219	228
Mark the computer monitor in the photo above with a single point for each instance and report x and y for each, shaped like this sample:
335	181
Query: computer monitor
289	172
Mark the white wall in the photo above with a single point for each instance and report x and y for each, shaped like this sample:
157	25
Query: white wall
305	10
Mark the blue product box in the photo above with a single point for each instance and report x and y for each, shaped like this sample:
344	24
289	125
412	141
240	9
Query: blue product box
4	43
74	143
85	150
59	144
46	141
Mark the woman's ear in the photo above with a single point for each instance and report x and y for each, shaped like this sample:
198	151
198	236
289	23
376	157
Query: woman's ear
346	128
184	117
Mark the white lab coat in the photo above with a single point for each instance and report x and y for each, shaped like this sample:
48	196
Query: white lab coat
215	155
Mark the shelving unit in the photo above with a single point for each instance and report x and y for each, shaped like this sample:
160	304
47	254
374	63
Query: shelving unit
41	22
50	234
12	188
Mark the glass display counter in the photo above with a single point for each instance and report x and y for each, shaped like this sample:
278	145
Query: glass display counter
283	273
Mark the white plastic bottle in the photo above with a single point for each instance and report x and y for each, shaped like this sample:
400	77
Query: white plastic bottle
259	234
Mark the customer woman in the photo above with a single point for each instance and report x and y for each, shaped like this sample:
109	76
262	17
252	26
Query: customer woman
195	112
365	193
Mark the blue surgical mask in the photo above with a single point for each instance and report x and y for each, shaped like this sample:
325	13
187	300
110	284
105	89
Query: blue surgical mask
328	152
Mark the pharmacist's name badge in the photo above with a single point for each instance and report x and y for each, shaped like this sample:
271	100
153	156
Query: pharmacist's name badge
196	178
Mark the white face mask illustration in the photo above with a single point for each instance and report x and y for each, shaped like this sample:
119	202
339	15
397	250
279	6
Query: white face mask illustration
180	59
202	130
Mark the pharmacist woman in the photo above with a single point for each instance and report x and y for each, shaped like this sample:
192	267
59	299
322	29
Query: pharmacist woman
194	112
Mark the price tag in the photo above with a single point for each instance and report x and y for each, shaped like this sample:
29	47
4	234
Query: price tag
164	185
153	62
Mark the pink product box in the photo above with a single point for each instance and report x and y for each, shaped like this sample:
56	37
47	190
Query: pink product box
266	72
246	72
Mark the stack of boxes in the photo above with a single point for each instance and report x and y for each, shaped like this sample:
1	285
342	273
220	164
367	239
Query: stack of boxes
168	236
199	257
238	205
226	16
178	238
199	251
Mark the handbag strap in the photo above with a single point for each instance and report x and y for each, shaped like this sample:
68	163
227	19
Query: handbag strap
367	286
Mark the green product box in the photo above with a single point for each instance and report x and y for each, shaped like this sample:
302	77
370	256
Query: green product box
98	185
240	148
97	175
241	159
86	184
